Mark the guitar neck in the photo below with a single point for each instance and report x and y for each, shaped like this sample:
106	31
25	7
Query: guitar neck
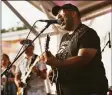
28	73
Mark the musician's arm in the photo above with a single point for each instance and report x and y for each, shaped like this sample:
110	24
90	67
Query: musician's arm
18	79
88	46
11	79
13	69
85	55
18	75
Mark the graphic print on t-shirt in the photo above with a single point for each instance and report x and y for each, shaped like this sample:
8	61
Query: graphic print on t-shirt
63	51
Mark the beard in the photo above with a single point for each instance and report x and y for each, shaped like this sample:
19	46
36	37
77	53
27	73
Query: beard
68	24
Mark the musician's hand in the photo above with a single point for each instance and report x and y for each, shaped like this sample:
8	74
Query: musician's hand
20	84
42	58
47	58
35	69
50	75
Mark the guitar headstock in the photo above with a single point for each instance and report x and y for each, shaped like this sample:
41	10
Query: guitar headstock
47	42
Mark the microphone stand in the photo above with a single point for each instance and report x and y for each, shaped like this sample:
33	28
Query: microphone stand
9	66
109	42
106	45
6	91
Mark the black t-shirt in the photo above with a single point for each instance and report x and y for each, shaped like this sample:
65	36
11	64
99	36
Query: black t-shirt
91	77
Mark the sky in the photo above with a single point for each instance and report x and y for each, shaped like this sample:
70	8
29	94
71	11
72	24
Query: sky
9	19
29	12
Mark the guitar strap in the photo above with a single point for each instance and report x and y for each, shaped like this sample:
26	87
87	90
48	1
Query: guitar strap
75	37
79	32
33	59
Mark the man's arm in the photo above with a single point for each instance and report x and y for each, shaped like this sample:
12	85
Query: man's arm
18	79
18	75
88	47
85	55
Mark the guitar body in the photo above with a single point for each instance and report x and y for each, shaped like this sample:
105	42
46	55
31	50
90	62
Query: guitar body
22	90
53	75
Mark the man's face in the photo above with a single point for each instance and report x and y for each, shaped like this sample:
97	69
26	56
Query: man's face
66	16
29	50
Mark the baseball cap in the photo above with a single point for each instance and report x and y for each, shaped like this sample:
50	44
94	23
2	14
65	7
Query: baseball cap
68	6
26	42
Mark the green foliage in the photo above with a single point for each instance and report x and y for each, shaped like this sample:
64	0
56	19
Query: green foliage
13	29
4	30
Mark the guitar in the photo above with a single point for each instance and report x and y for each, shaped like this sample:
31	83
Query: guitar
54	74
46	49
51	75
22	90
47	43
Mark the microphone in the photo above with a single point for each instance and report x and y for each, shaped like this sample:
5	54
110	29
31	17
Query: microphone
51	21
109	41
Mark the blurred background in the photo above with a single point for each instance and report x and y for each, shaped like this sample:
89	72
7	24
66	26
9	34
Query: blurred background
19	16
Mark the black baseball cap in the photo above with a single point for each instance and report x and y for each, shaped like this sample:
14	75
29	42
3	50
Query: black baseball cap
69	6
26	42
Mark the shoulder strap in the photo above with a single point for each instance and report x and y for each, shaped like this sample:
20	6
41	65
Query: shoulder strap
80	32
76	36
33	59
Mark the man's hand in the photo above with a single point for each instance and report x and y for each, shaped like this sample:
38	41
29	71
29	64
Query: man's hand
50	75
36	70
47	57
20	84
